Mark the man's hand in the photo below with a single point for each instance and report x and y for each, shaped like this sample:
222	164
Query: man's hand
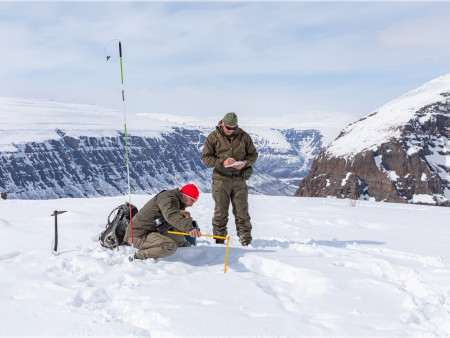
228	161
195	233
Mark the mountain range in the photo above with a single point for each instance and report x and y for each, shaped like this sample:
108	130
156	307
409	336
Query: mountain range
398	153
51	150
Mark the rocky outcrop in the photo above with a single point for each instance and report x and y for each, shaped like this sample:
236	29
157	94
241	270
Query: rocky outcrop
413	166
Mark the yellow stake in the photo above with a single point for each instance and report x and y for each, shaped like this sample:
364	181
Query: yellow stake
221	237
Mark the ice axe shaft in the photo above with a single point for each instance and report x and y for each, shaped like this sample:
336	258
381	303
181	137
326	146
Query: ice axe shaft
213	236
56	213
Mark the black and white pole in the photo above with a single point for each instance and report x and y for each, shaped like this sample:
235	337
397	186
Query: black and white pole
55	247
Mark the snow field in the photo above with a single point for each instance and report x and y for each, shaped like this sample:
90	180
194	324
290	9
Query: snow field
315	267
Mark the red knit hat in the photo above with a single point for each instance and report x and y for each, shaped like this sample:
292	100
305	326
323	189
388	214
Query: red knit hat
191	191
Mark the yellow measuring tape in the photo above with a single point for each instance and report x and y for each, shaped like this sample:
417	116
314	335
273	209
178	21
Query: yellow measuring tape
221	237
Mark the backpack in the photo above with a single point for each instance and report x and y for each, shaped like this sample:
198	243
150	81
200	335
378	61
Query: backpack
112	236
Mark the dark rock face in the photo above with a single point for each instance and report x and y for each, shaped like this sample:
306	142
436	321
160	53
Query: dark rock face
411	169
96	166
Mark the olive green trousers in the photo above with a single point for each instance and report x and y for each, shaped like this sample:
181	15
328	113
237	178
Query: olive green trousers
232	190
156	245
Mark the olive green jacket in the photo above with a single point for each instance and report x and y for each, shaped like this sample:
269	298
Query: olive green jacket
166	204
218	146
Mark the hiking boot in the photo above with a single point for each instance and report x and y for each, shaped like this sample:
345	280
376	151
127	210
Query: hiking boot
220	241
245	242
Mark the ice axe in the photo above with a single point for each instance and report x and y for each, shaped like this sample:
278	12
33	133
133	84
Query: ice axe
56	213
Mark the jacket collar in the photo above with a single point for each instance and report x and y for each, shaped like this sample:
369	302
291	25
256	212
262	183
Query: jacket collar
178	193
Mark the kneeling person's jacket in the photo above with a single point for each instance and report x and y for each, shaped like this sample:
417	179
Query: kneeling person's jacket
166	204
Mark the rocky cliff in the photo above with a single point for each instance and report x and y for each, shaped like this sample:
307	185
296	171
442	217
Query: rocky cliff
399	153
82	160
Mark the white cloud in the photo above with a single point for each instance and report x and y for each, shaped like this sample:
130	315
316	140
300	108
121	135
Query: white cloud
426	34
207	58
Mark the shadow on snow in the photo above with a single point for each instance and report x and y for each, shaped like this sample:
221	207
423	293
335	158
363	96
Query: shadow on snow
273	243
206	255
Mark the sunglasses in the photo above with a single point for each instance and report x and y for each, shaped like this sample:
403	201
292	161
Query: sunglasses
230	128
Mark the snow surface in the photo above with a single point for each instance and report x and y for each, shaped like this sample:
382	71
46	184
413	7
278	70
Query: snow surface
316	267
383	124
423	198
344	180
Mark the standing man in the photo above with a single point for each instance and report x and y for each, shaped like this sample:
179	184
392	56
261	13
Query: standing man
157	216
229	149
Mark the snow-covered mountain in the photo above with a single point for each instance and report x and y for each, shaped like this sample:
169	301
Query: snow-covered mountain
398	153
51	149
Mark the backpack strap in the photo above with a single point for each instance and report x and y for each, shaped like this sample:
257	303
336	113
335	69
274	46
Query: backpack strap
156	197
108	219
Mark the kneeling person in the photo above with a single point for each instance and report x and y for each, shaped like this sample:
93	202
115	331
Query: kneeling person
169	205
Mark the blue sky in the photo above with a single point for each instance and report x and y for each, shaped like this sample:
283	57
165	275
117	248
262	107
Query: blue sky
297	59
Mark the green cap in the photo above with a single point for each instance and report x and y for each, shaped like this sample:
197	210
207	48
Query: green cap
230	119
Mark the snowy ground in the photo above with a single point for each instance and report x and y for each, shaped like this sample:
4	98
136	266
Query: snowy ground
315	267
